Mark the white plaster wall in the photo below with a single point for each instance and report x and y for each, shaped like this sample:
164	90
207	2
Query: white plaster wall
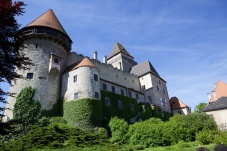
107	72
184	111
114	61
46	84
85	85
146	80
220	116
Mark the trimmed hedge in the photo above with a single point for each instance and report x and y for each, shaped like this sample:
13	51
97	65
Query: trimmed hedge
113	110
84	113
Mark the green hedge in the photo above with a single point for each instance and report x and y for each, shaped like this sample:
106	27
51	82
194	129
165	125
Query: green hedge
111	111
84	113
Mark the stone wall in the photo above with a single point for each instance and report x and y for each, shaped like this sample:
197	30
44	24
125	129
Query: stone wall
46	83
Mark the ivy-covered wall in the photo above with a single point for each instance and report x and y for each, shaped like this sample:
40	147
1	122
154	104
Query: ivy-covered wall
84	113
113	110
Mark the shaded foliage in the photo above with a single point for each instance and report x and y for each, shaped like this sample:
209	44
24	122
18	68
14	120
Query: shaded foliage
10	54
199	107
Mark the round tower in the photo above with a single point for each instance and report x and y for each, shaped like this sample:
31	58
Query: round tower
47	44
81	80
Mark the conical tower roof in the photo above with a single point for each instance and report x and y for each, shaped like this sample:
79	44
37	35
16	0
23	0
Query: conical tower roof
118	48
48	19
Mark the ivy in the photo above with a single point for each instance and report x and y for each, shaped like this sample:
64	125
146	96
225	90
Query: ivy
57	110
113	110
84	113
26	109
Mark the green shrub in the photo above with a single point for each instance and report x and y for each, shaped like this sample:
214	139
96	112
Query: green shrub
119	128
56	110
205	136
220	138
182	144
57	120
84	113
147	133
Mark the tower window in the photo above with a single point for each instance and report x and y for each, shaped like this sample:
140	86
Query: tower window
120	106
137	96
76	96
95	77
56	60
104	87
96	95
75	78
29	75
107	101
113	89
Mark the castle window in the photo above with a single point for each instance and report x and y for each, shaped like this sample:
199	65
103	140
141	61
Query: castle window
157	88
75	78
149	98
107	101
56	61
95	77
163	114
159	82
163	102
96	95
164	91
120	106
104	87
29	75
76	96
132	107
122	92
129	94
143	87
113	89
137	96
36	45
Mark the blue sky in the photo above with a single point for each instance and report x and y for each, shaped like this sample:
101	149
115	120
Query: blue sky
185	40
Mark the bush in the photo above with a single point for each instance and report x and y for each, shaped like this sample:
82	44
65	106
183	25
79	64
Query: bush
57	120
147	133
205	136
119	128
220	138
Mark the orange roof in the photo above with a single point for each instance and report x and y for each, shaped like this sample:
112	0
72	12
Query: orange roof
220	90
48	19
81	63
175	103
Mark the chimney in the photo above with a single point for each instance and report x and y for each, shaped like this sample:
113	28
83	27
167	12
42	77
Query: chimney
95	55
105	59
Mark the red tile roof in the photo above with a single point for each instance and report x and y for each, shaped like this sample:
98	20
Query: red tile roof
48	19
175	103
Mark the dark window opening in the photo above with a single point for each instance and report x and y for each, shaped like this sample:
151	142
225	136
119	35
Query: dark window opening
104	87
122	92
120	106
113	89
107	102
96	95
137	96
76	96
95	77
29	75
130	94
56	60
75	78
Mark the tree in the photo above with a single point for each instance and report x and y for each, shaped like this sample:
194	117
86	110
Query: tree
199	107
11	56
26	109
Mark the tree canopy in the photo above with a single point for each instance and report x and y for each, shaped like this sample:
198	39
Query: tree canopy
11	56
199	107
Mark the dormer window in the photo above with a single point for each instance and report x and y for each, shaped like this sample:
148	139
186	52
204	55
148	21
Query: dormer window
56	60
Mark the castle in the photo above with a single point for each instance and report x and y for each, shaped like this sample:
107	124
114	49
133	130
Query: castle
60	74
